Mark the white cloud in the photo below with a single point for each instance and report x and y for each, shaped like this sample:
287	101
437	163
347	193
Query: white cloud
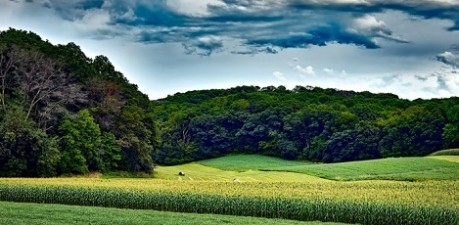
369	23
279	76
449	58
309	70
94	19
329	71
193	7
371	26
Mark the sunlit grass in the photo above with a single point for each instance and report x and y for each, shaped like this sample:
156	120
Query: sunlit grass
242	162
409	168
198	172
454	151
451	158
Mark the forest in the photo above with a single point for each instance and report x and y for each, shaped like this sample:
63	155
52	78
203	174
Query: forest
306	123
64	113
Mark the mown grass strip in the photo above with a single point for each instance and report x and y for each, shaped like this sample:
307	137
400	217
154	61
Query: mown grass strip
402	169
53	214
242	162
454	151
273	207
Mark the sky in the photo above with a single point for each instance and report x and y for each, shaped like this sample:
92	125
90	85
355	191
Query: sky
406	47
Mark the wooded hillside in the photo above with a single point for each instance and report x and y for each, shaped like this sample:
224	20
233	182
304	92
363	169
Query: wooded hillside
307	123
64	113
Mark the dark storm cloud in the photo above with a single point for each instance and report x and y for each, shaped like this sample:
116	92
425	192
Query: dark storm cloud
204	46
319	36
427	9
258	25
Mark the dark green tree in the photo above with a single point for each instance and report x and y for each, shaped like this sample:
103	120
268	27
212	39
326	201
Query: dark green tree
138	138
25	150
451	130
81	144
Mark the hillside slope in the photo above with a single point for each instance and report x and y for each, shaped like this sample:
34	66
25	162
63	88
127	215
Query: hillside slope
306	123
64	113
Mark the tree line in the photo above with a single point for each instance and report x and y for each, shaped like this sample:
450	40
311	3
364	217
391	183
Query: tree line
64	113
306	123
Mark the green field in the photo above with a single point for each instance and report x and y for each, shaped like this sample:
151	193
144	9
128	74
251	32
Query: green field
454	151
200	172
365	192
410	168
249	162
450	158
38	214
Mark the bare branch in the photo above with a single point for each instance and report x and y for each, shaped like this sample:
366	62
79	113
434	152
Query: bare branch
47	87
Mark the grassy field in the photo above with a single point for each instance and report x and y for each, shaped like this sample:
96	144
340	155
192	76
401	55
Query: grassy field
446	152
450	158
219	186
249	162
200	172
38	214
405	169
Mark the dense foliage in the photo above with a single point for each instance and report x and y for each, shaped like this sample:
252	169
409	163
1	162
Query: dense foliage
307	123
64	113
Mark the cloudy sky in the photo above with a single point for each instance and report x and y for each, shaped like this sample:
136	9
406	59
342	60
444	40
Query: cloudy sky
406	47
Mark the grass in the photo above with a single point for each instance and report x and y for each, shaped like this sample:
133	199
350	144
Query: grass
451	158
405	169
51	214
249	162
446	152
199	172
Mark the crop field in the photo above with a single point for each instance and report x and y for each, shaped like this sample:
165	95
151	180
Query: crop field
298	195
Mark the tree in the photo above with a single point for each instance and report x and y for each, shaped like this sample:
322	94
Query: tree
451	130
356	144
8	60
47	88
81	144
178	138
138	139
43	84
414	132
26	150
110	152
106	101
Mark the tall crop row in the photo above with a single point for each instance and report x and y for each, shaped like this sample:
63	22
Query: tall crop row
271	207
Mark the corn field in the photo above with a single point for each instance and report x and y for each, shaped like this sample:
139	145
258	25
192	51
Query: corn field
369	202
